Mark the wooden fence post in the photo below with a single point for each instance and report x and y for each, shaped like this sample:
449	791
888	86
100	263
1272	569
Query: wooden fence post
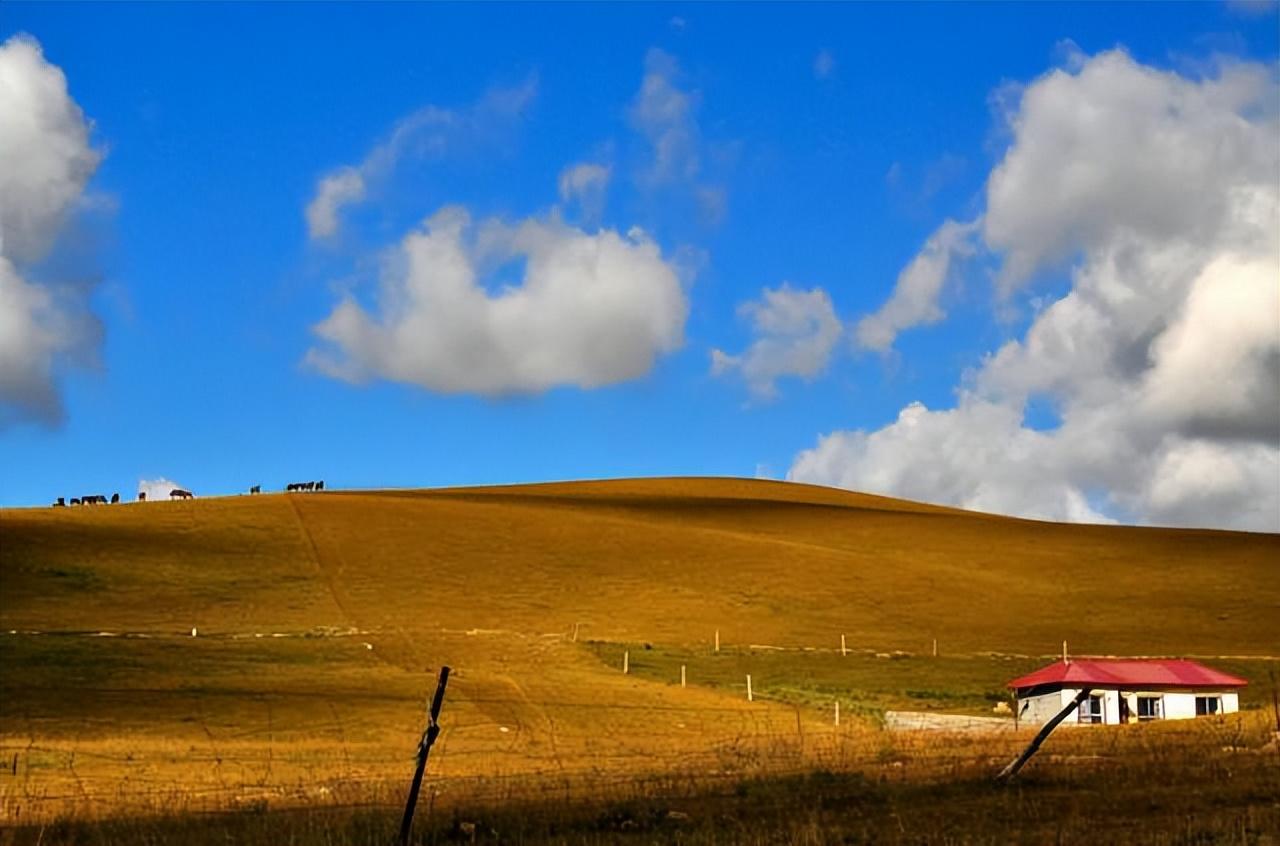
626	662
837	712
575	632
1275	699
717	640
749	699
844	650
424	749
935	647
682	676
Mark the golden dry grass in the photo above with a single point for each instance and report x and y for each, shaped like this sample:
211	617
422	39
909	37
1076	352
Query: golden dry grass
371	592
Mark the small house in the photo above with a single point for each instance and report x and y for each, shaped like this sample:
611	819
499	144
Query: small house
1126	690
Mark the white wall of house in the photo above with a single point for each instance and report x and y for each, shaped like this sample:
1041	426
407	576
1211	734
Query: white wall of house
1174	705
1042	708
1182	705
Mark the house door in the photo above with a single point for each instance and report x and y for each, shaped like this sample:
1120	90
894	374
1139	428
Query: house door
1124	710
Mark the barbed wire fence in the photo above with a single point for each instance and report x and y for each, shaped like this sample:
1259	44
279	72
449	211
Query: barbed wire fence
44	778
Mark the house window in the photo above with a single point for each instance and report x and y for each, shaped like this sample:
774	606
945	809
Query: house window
1208	705
1091	710
1150	707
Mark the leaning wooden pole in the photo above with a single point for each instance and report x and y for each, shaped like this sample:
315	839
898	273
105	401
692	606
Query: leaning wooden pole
424	749
1017	764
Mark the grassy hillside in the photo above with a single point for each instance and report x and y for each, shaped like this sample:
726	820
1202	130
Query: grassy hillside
661	559
322	619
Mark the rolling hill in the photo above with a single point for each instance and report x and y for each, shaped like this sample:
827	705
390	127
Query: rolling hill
321	619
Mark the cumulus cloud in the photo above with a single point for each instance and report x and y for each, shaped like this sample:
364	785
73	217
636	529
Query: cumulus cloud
429	133
919	286
796	332
29	343
587	309
46	160
977	456
1215	371
1161	195
157	488
585	183
1120	149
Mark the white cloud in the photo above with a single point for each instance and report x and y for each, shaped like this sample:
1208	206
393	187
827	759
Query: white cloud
342	187
677	167
976	456
45	156
1195	478
1163	359
796	332
664	114
824	64
1118	148
29	342
588	310
1215	370
45	162
915	296
585	183
157	488
429	133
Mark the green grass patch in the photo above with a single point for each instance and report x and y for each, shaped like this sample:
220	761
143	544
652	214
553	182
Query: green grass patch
864	683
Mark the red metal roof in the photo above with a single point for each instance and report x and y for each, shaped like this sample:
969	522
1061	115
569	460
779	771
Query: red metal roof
1121	672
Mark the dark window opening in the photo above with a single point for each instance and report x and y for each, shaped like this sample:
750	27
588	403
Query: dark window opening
1150	707
1208	705
1091	710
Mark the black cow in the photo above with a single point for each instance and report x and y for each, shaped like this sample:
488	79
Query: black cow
115	498
75	501
179	493
142	496
320	485
256	489
61	503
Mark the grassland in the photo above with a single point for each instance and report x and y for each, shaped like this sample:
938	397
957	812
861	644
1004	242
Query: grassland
321	620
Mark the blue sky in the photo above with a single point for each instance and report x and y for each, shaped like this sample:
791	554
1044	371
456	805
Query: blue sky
816	145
